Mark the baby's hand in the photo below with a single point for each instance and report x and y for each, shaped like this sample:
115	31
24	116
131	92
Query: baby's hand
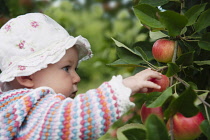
140	82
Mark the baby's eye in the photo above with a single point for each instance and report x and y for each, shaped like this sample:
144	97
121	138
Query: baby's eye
66	68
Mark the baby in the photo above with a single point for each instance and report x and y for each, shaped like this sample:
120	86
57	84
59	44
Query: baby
38	62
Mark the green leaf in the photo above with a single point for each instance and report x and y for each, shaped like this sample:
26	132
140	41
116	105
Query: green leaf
156	129
173	22
190	46
172	69
186	59
203	21
107	136
151	97
121	45
141	53
200	63
160	100
183	104
139	99
133	131
204	43
187	99
205	128
201	96
116	125
147	15
193	13
184	30
157	35
154	3
122	63
146	48
127	56
193	85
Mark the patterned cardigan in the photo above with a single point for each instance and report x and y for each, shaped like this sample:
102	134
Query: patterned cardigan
36	114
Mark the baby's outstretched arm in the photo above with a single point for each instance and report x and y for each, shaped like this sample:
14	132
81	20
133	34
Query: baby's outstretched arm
140	82
87	116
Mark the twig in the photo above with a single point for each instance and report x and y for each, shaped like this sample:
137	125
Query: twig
192	40
148	63
204	102
161	69
202	90
182	81
207	114
182	7
191	37
171	81
171	128
187	85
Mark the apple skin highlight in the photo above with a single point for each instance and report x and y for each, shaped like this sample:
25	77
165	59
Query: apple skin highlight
186	128
163	50
163	83
145	112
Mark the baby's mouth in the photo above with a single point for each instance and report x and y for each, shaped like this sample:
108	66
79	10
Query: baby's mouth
73	94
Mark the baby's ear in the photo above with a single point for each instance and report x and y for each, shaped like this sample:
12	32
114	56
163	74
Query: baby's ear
25	81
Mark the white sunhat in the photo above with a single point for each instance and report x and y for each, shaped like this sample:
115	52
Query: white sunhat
28	43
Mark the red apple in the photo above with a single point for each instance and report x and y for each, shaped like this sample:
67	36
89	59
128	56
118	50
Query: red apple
163	82
186	128
145	112
163	50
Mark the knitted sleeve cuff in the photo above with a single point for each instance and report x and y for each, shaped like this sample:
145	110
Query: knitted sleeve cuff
122	92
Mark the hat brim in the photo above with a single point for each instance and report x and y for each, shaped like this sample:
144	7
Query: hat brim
50	55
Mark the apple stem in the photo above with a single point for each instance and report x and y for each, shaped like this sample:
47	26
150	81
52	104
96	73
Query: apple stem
149	64
182	7
146	26
161	69
171	81
207	114
192	40
171	128
175	52
174	58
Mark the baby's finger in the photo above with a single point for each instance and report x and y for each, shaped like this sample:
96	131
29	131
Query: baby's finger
148	74
149	84
156	75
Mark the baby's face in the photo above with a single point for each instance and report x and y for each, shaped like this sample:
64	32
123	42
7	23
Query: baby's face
61	76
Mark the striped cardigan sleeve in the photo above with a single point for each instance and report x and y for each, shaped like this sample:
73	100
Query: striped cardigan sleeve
42	114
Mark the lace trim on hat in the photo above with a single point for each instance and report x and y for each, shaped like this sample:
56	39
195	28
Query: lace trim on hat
50	55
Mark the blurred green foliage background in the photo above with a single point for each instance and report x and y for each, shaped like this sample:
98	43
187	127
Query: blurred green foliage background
96	20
